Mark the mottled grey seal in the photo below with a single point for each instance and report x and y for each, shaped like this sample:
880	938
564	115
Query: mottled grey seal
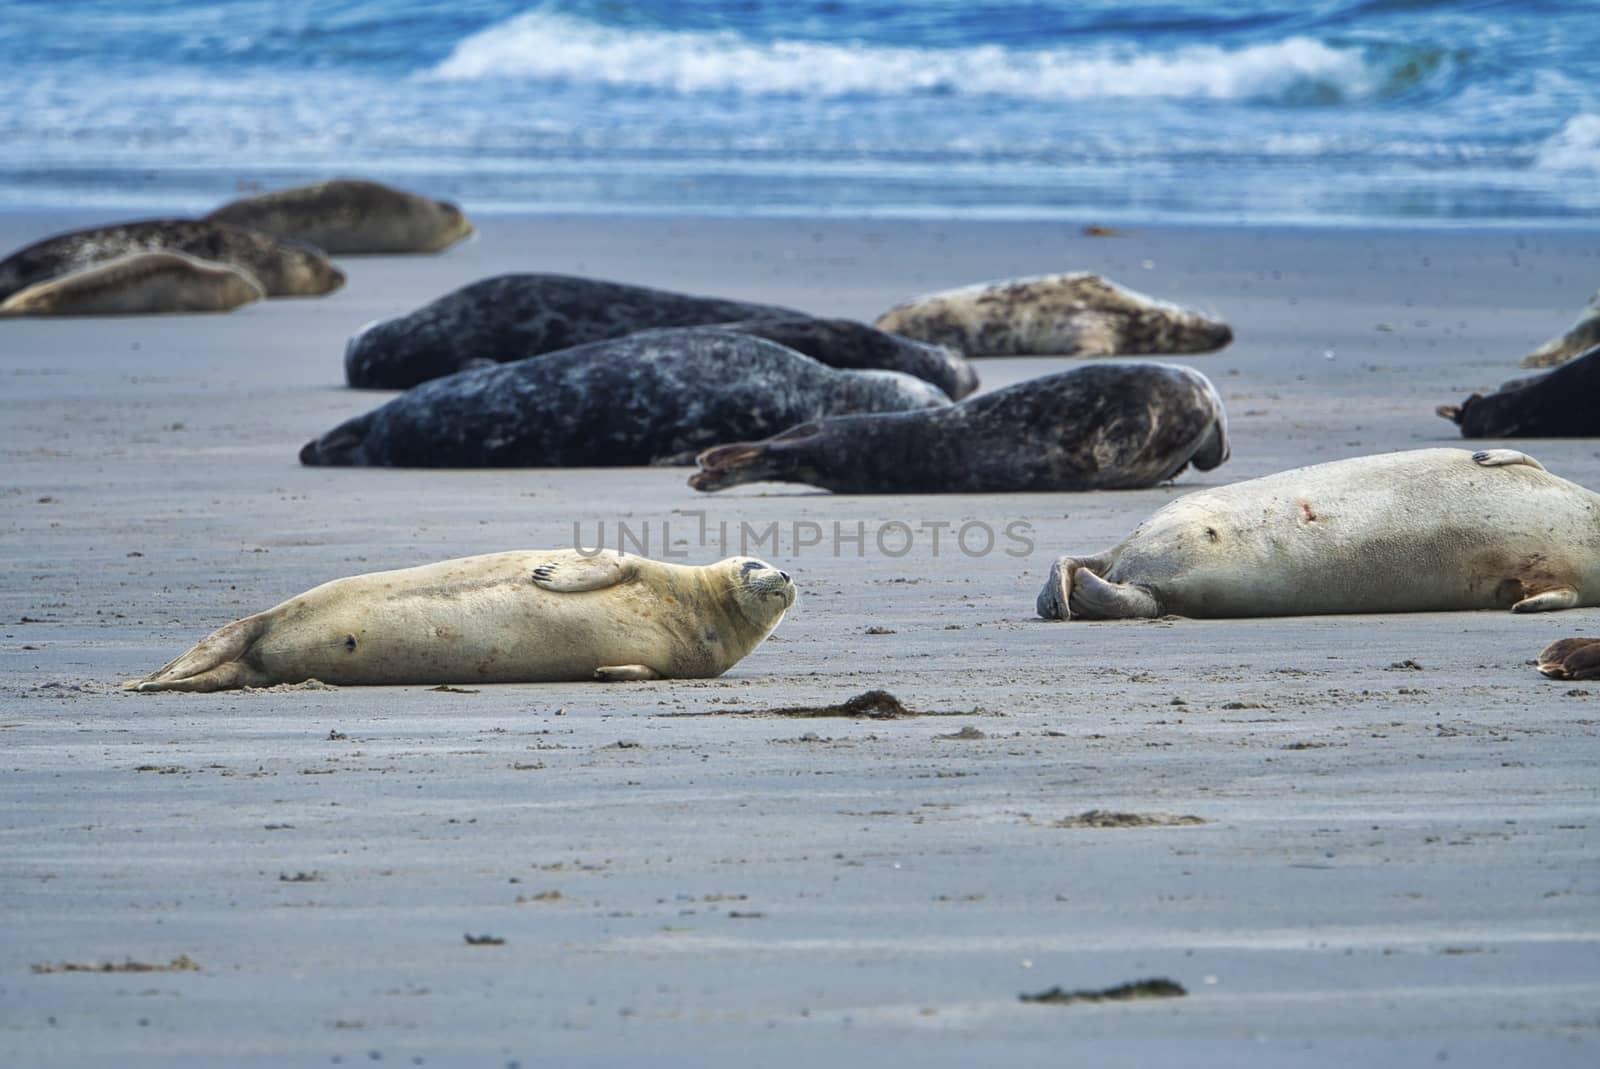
513	317
1570	658
351	215
477	330
141	283
652	397
521	617
1076	314
1419	531
1103	427
1564	403
1579	338
284	270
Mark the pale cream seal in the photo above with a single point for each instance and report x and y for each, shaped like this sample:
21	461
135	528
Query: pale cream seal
518	617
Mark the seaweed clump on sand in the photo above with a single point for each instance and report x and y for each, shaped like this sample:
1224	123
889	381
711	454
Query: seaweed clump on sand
1158	987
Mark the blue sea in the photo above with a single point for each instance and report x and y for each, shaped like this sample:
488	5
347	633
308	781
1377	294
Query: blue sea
1263	111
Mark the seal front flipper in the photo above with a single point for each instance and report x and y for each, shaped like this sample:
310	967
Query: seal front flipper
576	574
1548	601
1500	458
625	673
214	663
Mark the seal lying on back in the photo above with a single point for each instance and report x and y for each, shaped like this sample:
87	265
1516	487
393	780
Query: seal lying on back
653	397
1564	403
1106	427
1579	338
521	617
141	283
283	270
349	215
513	317
379	358
1420	531
1075	314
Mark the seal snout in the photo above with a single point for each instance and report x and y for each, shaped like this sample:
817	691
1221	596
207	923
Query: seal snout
1218	334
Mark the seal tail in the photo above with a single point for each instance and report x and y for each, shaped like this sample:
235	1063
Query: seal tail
1096	599
723	466
213	663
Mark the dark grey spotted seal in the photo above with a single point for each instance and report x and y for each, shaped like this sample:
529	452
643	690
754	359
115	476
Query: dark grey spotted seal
1076	314
1102	427
513	317
543	310
649	398
283	269
1564	403
351	215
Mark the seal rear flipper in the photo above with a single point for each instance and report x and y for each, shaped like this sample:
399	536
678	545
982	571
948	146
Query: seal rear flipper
336	448
229	676
626	673
1571	658
1055	598
729	465
1095	599
213	663
723	466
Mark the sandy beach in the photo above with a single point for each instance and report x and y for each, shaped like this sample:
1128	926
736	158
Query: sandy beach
1395	861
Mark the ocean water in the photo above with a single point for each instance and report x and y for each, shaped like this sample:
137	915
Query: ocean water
1263	111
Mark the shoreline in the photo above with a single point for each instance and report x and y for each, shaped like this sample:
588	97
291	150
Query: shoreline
1131	220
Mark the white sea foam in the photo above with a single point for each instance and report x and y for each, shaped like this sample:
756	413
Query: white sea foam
541	46
1574	149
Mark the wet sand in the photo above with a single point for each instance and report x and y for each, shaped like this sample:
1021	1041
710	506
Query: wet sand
1398	861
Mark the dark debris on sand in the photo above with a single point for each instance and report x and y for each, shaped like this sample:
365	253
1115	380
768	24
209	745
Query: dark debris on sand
1158	987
